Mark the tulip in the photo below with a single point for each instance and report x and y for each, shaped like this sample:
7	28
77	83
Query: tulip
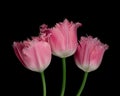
88	56
35	55
63	39
89	53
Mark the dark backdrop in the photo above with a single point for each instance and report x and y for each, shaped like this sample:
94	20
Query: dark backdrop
21	23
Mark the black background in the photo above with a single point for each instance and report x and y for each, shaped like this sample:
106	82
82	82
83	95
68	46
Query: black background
21	22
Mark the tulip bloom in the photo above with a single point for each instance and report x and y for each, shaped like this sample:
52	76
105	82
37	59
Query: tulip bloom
33	54
89	53
63	39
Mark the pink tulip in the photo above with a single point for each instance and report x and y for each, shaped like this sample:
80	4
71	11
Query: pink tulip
34	54
63	39
89	53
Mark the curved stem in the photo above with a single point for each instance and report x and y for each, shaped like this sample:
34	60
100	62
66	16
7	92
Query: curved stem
64	76
44	83
83	84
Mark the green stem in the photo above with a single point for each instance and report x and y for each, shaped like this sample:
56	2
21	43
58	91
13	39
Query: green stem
64	76
44	83
83	84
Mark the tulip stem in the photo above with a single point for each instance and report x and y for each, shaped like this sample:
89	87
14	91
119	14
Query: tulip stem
44	83
83	84
64	76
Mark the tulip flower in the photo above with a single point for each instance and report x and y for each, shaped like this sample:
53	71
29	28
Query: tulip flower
89	55
35	55
63	41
